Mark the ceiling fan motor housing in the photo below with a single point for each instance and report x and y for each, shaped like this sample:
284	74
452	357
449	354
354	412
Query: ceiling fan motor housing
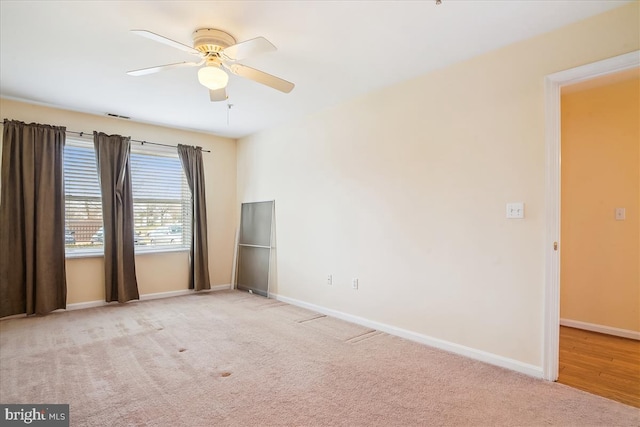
209	40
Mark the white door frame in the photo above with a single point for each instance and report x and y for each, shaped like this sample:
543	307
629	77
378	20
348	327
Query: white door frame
553	83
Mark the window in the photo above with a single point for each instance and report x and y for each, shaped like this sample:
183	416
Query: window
161	199
83	206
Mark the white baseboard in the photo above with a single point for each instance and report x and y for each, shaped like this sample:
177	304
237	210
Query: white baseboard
145	297
624	333
483	356
83	305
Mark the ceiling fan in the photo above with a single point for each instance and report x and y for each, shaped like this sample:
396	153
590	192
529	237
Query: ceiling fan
218	51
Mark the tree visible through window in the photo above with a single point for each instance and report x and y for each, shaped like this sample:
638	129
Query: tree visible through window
161	198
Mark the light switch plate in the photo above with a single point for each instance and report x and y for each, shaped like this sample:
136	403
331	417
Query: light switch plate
515	210
621	214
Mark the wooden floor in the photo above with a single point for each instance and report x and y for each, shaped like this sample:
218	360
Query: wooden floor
600	364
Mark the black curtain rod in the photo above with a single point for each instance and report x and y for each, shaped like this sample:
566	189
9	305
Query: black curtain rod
133	140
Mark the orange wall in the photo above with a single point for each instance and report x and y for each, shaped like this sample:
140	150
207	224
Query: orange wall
600	272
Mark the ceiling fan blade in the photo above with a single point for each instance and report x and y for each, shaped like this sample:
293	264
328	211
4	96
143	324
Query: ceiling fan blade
151	70
261	77
161	39
218	95
248	48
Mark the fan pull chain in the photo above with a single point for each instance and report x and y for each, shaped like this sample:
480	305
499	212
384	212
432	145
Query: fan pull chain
228	112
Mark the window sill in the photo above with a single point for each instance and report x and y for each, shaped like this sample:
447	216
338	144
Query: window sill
98	253
159	249
89	253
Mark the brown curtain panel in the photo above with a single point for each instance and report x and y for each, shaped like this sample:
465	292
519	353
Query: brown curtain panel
32	260
191	159
114	172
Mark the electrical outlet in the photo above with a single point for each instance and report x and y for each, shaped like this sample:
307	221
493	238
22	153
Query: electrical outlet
354	283
329	279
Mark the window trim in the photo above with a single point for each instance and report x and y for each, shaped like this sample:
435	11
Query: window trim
138	250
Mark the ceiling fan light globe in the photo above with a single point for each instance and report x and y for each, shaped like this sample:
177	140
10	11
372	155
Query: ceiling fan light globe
213	78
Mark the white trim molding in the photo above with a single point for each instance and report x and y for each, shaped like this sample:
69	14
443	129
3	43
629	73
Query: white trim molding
483	356
609	330
553	83
144	297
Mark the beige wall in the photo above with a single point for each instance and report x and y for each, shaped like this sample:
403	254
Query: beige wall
599	275
405	188
160	272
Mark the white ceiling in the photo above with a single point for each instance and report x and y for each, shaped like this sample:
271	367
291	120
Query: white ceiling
74	54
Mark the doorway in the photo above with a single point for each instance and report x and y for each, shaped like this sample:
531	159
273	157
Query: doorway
553	84
599	288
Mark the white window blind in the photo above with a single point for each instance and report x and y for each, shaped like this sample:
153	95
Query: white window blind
83	205
161	199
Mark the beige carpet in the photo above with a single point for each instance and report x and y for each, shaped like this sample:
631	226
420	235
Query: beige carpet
231	358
